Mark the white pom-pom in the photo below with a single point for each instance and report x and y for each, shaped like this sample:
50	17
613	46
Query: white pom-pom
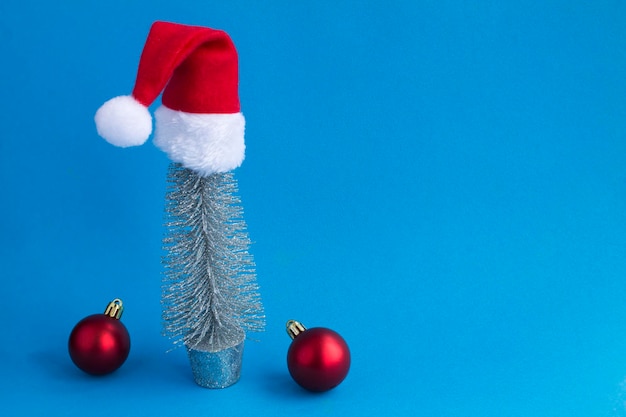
123	121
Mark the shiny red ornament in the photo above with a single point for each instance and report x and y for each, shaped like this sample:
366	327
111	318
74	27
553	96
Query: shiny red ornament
99	344
318	358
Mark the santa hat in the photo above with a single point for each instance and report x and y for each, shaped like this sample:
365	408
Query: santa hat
199	123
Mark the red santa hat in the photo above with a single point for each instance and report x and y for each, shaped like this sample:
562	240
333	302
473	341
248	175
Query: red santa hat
199	123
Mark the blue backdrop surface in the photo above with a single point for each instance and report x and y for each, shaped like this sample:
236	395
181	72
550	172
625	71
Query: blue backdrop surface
441	182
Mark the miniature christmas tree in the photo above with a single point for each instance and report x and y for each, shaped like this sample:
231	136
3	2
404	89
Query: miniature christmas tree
210	295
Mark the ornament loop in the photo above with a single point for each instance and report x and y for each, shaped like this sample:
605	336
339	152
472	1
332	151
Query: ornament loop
294	328
115	309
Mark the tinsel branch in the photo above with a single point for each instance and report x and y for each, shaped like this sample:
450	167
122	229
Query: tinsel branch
210	292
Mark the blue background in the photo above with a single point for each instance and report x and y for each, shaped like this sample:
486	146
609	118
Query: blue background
442	182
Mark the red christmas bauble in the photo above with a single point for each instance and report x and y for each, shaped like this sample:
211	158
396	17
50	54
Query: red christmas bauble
318	358
99	344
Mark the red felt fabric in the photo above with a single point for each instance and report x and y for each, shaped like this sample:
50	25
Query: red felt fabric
195	67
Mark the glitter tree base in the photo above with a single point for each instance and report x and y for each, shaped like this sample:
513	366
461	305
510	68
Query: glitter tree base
210	294
216	369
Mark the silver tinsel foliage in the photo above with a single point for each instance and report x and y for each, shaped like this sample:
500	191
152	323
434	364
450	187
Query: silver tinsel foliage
210	294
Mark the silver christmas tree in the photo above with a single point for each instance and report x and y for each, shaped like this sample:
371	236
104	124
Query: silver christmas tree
210	294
